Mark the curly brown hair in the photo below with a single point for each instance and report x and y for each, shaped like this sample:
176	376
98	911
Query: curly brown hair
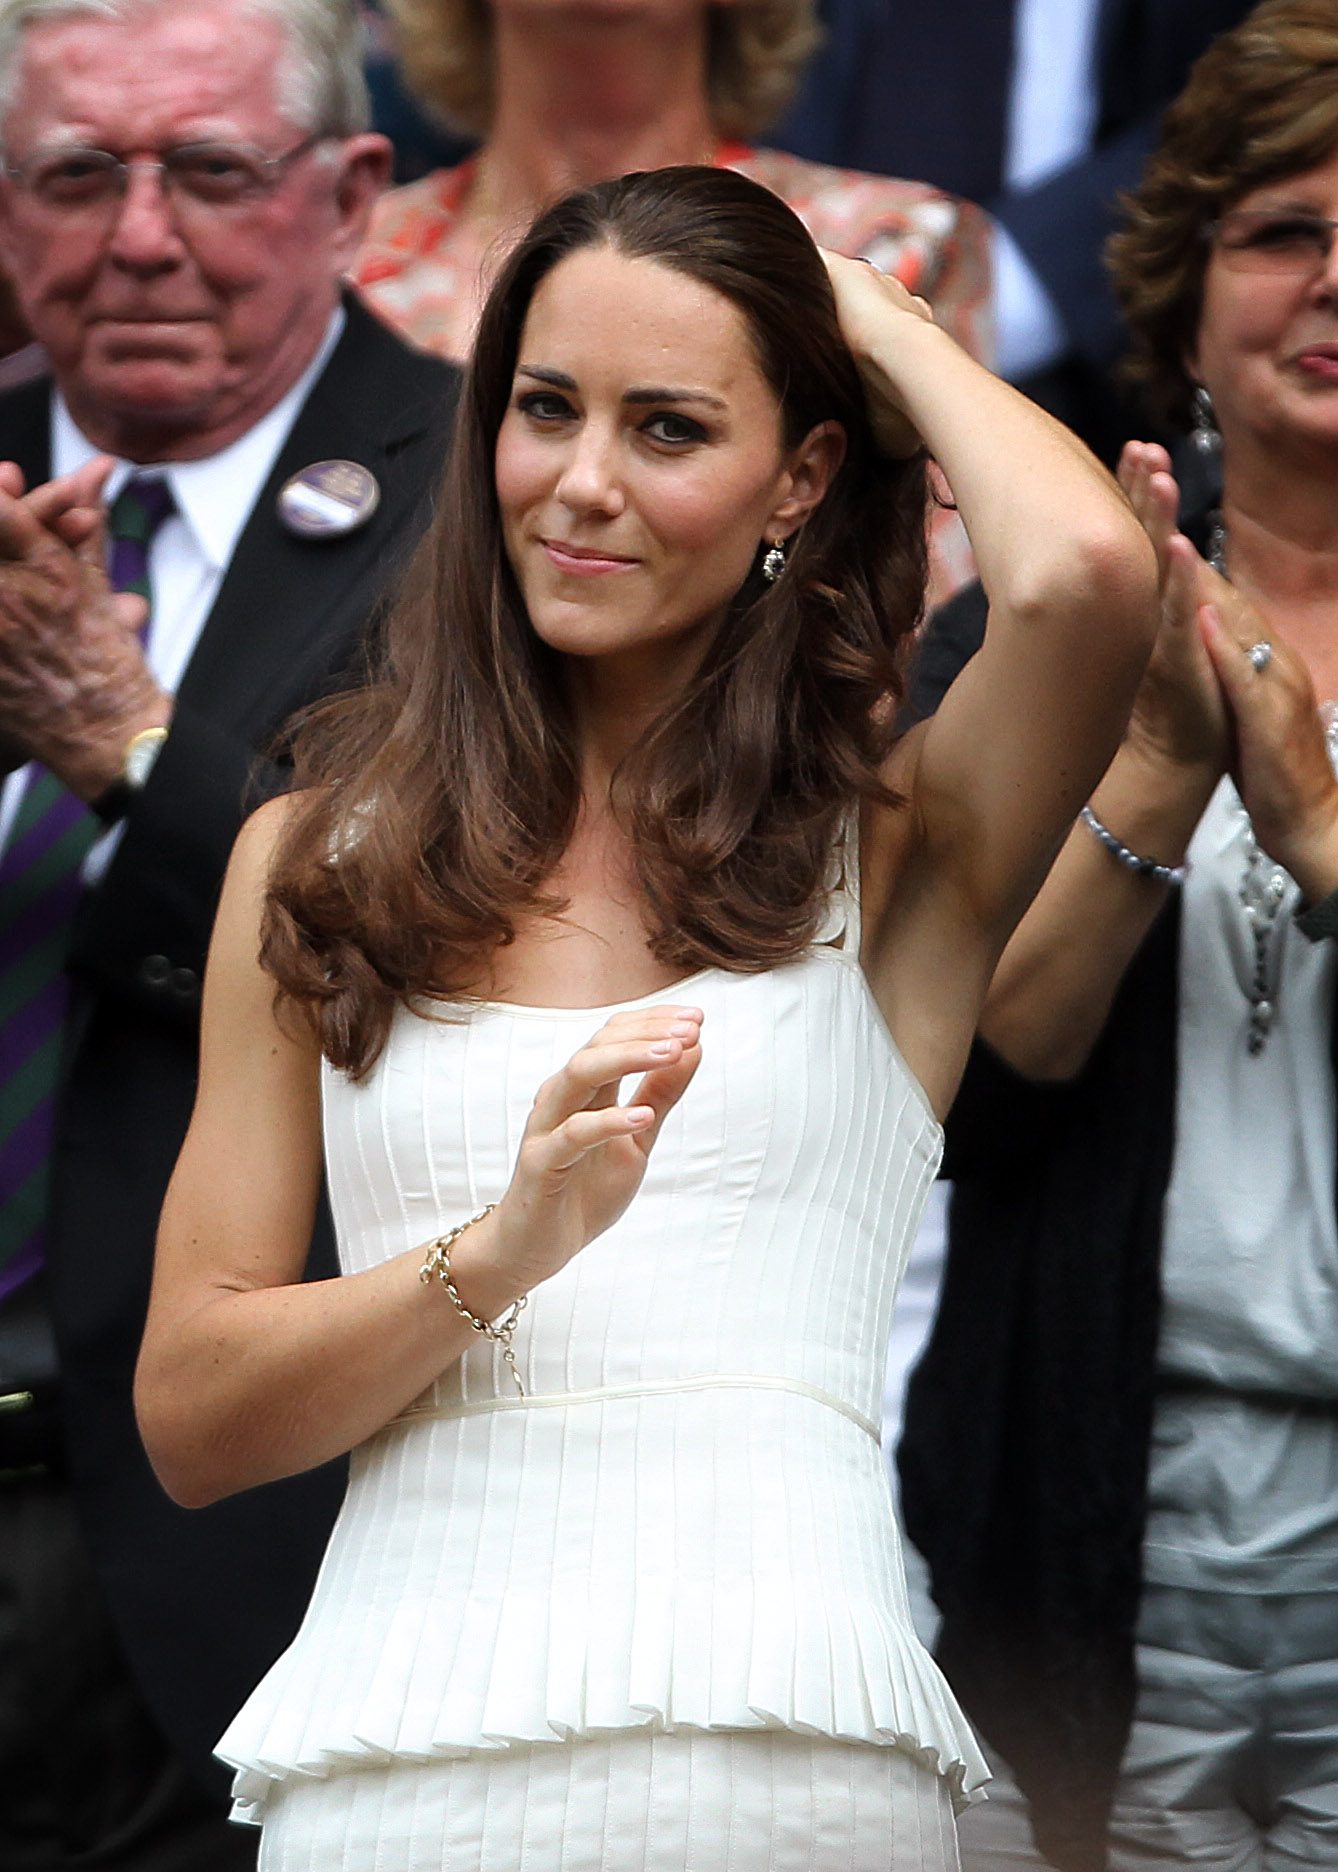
756	50
1261	105
438	801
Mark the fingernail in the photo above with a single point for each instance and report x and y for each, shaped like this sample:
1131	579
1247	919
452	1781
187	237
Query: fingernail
660	1048
638	1114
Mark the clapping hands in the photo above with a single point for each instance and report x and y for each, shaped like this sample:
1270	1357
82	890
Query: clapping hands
74	685
1205	705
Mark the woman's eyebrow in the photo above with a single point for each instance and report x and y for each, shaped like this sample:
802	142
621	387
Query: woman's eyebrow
638	394
558	379
672	393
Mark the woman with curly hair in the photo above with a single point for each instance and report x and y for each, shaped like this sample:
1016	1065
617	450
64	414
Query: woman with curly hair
617	1582
1144	1248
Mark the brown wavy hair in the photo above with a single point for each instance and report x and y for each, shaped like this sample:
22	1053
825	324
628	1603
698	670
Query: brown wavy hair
756	51
1261	105
437	801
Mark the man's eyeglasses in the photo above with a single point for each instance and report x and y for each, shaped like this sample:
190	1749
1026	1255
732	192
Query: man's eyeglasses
73	181
1273	240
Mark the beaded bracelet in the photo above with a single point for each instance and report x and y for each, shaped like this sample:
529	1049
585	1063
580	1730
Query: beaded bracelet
1120	852
437	1266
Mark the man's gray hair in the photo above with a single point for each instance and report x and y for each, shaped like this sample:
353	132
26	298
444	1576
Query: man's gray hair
320	84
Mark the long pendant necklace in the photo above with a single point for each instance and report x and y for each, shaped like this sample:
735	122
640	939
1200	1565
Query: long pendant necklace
1263	886
1263	891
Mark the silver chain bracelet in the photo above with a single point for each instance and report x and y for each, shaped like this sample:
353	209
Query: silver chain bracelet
437	1266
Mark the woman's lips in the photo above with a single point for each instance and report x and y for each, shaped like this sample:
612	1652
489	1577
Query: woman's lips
583	561
1319	361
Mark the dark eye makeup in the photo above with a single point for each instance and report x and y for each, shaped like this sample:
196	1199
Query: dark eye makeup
668	427
543	405
671	426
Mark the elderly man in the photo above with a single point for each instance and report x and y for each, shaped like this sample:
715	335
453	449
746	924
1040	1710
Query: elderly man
183	183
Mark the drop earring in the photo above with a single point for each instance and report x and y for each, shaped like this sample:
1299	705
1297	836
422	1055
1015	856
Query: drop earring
773	563
1205	436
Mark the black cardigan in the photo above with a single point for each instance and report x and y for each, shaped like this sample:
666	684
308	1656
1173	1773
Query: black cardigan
1028	1421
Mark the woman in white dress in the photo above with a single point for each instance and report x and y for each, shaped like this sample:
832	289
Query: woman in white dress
617	1583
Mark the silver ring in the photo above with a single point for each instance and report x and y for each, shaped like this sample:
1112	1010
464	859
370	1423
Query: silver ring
1260	655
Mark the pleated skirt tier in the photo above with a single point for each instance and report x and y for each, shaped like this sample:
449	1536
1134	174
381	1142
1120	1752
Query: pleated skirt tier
710	1561
636	1801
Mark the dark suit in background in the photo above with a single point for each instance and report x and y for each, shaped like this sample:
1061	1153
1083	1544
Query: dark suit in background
203	1601
866	104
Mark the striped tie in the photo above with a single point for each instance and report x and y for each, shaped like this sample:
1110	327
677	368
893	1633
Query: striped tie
40	885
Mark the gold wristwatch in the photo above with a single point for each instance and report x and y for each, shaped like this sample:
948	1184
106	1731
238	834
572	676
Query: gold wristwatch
141	751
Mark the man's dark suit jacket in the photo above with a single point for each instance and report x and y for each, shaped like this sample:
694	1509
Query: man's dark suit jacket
848	114
205	1600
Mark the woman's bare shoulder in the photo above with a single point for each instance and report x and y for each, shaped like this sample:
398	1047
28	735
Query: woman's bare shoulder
257	844
264	828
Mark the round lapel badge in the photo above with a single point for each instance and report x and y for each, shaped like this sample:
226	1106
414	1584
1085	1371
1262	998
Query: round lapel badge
329	499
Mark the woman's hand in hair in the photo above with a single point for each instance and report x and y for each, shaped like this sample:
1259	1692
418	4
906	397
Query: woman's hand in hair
584	1153
868	302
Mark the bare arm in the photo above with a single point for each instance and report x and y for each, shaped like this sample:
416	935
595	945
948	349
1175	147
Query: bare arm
247	1373
1052	991
995	779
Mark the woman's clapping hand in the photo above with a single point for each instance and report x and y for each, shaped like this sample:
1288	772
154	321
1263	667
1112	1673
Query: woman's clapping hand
584	1154
1203	703
1180	716
1279	758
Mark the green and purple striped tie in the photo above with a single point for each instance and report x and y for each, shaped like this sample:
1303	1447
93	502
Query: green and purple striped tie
40	885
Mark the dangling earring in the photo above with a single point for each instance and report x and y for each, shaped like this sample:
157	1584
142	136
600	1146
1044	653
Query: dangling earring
1205	436
774	562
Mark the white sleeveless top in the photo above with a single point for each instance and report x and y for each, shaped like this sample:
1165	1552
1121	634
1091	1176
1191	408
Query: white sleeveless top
686	1521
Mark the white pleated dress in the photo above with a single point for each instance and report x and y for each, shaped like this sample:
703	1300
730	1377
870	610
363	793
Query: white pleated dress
685	1526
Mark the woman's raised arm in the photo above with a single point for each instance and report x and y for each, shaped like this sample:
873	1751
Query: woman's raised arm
1027	730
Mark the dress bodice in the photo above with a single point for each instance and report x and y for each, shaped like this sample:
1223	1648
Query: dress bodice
777	1207
686	1520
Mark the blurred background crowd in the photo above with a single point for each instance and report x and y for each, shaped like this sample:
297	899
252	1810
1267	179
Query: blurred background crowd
1122	1446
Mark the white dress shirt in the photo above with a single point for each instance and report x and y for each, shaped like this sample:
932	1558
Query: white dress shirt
191	551
1052	112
